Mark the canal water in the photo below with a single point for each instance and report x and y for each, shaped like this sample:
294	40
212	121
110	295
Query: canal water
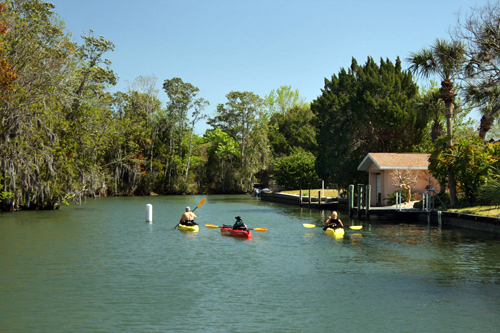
100	267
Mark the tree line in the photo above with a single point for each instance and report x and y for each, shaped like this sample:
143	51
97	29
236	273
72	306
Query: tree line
64	136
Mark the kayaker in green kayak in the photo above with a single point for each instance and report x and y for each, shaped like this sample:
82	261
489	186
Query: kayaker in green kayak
188	217
333	222
239	225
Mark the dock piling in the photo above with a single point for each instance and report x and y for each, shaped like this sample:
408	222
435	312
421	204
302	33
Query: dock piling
360	199
351	200
367	201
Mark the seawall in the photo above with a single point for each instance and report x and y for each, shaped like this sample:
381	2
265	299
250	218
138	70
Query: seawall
468	221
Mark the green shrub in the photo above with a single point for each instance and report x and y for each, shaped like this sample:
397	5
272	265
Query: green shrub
391	198
489	193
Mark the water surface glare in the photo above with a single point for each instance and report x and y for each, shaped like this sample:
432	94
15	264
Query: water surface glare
100	267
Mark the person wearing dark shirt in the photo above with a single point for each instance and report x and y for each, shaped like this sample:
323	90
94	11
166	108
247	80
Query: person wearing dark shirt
239	225
333	222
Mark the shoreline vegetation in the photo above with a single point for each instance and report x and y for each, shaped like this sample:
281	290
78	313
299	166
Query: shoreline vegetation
84	141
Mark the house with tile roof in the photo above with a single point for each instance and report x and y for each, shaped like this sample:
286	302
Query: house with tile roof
383	171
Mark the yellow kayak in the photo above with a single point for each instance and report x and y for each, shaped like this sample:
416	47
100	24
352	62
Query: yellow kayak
335	232
193	228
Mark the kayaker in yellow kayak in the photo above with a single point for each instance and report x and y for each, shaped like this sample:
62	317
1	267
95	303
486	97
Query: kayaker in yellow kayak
188	217
239	225
333	222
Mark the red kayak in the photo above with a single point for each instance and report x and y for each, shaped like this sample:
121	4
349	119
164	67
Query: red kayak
228	230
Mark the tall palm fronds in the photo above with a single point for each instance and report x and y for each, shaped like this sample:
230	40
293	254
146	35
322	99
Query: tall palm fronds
488	101
445	59
480	30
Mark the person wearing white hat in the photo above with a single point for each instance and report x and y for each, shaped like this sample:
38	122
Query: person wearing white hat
188	217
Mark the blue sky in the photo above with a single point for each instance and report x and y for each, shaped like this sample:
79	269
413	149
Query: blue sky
221	46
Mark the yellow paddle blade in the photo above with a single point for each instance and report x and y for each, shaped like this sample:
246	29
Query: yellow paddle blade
356	227
211	226
202	202
307	225
260	229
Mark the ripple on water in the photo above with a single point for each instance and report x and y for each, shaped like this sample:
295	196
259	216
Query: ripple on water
99	267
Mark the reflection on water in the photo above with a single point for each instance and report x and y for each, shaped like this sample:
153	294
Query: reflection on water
310	234
442	255
101	267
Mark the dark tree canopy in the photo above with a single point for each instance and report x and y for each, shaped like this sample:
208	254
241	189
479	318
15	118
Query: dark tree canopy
364	109
292	128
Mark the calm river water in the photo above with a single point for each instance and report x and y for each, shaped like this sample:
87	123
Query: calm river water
100	267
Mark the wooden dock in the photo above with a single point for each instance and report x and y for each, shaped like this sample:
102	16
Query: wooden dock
312	202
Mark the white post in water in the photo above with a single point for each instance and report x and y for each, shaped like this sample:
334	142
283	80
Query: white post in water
149	213
323	188
397	201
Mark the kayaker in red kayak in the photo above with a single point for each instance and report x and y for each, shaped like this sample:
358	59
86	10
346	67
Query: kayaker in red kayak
239	225
188	217
333	222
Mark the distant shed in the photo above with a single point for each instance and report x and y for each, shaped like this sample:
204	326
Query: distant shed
381	168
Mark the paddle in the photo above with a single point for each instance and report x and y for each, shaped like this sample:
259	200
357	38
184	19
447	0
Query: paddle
199	205
213	226
354	227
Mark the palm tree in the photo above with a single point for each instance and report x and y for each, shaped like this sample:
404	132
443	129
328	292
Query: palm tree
488	99
488	114
430	103
445	59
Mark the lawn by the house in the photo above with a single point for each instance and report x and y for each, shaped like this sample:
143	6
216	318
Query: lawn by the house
491	211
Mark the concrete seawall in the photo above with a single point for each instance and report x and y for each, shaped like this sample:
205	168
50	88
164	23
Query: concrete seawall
468	221
295	200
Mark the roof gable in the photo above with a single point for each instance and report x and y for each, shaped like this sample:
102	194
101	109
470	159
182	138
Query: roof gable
391	161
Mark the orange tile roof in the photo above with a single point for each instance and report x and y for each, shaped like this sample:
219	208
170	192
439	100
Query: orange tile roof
385	161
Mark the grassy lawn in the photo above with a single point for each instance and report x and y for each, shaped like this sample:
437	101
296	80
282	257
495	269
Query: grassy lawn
314	193
490	211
